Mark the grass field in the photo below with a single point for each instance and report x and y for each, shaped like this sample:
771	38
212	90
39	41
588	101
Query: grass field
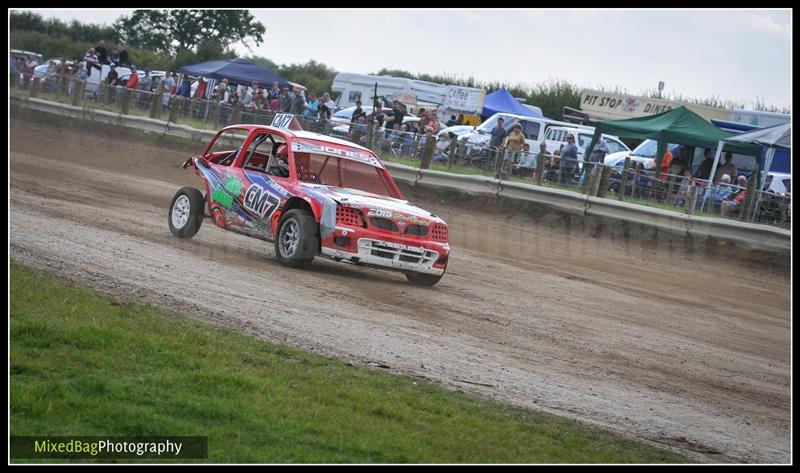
84	363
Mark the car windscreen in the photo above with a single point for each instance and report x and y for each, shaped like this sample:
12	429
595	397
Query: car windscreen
342	172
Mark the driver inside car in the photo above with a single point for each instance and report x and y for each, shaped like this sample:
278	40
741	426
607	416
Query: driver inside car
278	164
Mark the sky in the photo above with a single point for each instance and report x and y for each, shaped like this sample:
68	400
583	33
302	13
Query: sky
742	55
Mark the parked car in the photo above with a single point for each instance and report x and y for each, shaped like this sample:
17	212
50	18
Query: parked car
312	195
156	76
557	136
41	70
343	116
459	130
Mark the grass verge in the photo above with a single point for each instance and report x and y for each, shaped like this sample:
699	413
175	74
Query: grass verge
85	363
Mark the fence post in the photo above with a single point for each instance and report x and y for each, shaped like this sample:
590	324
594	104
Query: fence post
748	206
35	87
236	114
125	104
155	105
540	159
587	172
174	104
594	180
77	92
453	153
427	153
215	114
691	198
605	174
624	180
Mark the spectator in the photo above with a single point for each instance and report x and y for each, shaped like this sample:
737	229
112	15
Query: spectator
146	82
312	108
722	191
92	61
133	82
733	204
123	56
274	92
327	107
442	151
274	105
200	91
298	102
514	142
246	94
395	118
378	116
682	193
433	122
643	183
568	165
112	76
527	165
285	100
114	57
185	89
704	171
102	52
665	162
497	139
220	93
260	102
727	168
358	112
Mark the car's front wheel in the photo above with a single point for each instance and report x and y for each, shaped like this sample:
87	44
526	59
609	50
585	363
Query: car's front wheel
298	239
186	212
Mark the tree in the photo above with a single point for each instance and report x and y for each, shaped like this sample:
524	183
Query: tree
170	31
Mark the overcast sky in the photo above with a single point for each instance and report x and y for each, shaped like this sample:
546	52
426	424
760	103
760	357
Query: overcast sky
740	55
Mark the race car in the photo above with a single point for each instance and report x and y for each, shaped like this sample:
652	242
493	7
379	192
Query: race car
312	195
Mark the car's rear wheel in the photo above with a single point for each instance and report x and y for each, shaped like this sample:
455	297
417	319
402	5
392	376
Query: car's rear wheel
421	279
186	212
298	239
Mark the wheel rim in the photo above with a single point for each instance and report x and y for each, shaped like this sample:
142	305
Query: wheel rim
180	212
289	239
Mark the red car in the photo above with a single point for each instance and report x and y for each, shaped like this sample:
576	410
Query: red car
313	195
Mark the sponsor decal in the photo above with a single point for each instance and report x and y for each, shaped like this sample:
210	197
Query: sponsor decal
260	201
401	219
334	151
225	196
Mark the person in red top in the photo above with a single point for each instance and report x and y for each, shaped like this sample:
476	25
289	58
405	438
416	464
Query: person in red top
665	164
133	82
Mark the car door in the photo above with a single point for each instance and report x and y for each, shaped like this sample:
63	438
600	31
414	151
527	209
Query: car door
257	184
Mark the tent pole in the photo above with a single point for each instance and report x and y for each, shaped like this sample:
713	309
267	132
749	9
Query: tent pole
709	188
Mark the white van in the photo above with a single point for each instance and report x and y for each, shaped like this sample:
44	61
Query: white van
534	129
354	87
557	136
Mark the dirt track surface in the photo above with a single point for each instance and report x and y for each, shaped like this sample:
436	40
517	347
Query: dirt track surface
692	352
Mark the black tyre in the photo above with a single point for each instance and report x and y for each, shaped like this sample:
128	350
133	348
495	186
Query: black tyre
298	239
421	279
186	212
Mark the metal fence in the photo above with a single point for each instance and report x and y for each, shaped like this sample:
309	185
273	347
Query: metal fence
624	183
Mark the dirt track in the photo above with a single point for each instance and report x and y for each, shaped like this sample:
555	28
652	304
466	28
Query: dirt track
687	351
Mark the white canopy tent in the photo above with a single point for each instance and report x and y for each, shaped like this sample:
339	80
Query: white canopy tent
778	136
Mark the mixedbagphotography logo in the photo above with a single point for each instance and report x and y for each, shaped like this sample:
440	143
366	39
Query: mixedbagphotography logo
109	447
